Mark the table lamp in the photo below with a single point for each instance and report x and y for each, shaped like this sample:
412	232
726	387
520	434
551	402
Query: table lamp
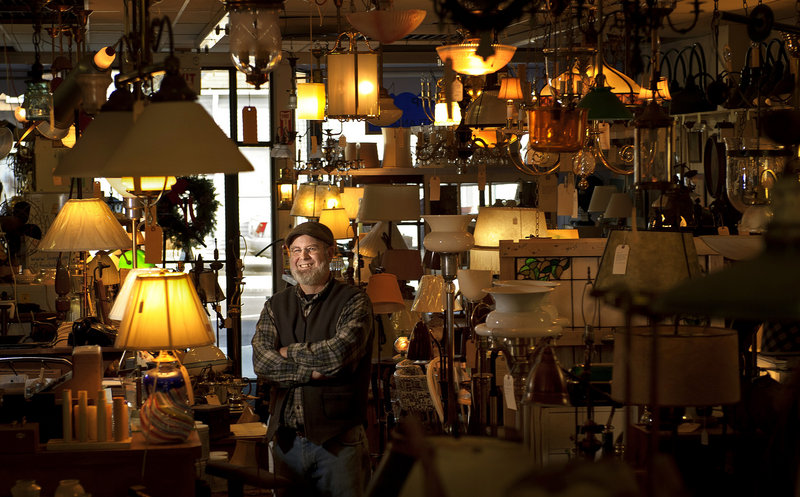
80	226
503	223
164	313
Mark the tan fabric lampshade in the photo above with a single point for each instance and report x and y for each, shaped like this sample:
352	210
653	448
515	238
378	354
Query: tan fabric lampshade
83	225
487	258
697	366
163	313
337	221
389	203
351	200
124	295
384	293
431	296
310	199
619	206
510	89
405	263
508	223
656	261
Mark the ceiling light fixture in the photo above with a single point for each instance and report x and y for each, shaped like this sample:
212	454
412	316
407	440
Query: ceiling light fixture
471	58
353	79
254	37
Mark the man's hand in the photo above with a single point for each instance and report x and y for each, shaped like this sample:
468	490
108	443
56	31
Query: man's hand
284	352
317	376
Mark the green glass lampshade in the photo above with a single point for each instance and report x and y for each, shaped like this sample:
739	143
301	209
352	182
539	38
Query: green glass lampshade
604	105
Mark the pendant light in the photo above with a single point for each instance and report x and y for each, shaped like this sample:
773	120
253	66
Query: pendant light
352	80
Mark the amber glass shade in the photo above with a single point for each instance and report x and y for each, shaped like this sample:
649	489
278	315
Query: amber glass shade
557	129
466	61
311	101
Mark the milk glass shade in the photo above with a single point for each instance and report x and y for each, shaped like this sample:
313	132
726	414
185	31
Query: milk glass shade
337	221
473	283
696	366
163	312
384	293
351	200
448	234
466	61
310	199
353	84
311	101
83	225
389	203
255	41
386	26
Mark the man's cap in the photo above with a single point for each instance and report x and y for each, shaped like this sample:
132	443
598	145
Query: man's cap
311	228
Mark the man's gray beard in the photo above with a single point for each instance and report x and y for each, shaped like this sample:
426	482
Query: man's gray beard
317	276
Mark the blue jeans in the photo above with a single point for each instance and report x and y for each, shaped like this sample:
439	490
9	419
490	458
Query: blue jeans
339	469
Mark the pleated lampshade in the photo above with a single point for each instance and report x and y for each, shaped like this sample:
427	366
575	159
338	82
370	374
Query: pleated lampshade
431	295
164	313
83	225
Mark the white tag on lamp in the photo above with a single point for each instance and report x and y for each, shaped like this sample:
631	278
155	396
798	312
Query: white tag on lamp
621	259
508	392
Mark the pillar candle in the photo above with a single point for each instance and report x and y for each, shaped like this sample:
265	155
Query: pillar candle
120	419
102	434
83	416
92	422
66	414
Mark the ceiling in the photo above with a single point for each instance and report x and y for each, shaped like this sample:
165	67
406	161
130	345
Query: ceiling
301	20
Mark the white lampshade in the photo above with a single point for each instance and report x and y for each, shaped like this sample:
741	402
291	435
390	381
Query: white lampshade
83	225
123	297
600	197
337	221
177	139
508	223
448	233
473	282
372	243
440	117
164	313
389	203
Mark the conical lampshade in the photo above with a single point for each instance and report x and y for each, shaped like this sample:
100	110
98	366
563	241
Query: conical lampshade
384	293
97	145
604	105
164	313
177	139
431	296
83	225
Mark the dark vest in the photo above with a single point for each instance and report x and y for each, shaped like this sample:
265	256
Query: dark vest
334	405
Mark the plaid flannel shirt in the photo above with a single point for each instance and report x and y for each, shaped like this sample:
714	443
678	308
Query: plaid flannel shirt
327	357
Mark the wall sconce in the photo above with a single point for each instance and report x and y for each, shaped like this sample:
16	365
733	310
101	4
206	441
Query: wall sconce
353	79
465	60
255	37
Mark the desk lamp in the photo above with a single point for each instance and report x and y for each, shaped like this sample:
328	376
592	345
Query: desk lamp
80	226
164	313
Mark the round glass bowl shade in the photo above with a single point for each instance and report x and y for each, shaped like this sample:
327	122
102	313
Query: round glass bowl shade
448	233
473	282
255	41
752	174
466	61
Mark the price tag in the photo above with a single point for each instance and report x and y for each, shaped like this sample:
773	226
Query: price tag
605	136
434	188
213	400
508	392
153	243
481	176
249	125
313	144
723	230
621	259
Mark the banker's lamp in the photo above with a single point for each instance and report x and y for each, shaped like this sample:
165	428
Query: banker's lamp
164	313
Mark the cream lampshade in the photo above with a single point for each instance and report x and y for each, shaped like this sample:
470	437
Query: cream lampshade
123	297
389	203
601	195
473	282
164	313
336	219
310	199
351	200
503	223
384	293
510	89
696	366
372	244
431	295
83	225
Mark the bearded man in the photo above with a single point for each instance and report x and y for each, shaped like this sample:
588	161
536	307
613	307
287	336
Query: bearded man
312	344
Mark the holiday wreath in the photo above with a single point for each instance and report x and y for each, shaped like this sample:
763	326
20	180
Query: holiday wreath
187	213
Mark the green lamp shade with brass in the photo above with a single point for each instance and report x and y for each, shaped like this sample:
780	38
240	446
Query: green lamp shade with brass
604	105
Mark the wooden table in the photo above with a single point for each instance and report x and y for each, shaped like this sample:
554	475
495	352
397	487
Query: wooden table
165	470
